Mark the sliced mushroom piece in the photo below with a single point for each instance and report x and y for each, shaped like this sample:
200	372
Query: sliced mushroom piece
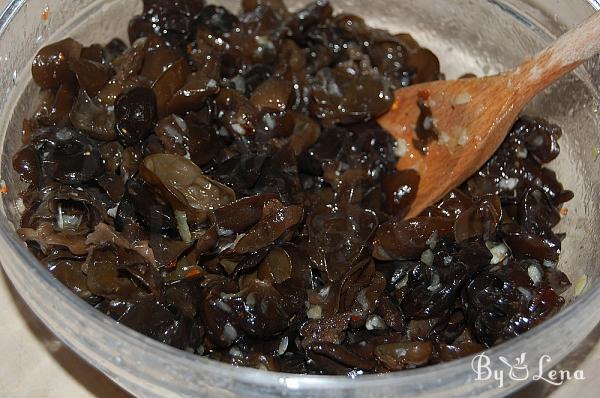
338	236
407	239
92	76
197	89
50	67
174	135
305	134
341	355
104	234
169	83
93	118
239	216
267	312
185	186
46	236
276	220
104	278
403	355
481	219
273	94
400	189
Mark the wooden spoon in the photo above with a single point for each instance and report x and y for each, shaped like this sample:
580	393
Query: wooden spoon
473	116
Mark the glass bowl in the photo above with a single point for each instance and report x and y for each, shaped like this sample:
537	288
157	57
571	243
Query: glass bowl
478	36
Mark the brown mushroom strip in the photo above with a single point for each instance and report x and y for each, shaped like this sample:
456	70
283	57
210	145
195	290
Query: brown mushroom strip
51	64
338	236
46	236
185	186
397	239
272	225
409	354
239	216
104	234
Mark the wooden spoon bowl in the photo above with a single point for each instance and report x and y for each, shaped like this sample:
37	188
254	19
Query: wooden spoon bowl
471	117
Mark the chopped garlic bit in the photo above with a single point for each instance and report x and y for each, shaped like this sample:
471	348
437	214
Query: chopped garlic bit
444	138
60	225
428	123
20	206
354	373
499	252
462	99
522	153
432	240
435	283
400	148
182	226
463	139
374	322
251	299
223	306
314	312
461	134
427	257
235	352
362	299
403	282
526	293
283	345
238	128
535	274
224	232
239	83
324	292
581	285
112	212
71	221
400	352
508	184
229	333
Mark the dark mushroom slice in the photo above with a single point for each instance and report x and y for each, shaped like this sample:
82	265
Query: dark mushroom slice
275	221
92	76
339	236
239	216
142	203
55	106
185	186
67	155
400	189
135	115
50	67
408	354
480	220
402	240
93	118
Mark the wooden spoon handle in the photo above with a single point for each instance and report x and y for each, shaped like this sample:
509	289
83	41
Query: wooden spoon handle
564	55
